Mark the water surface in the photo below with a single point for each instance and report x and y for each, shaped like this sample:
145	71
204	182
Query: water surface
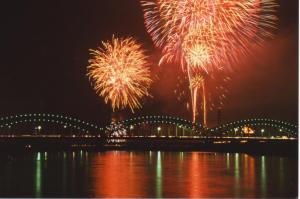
146	174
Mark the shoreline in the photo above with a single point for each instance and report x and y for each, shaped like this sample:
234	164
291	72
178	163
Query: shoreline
267	147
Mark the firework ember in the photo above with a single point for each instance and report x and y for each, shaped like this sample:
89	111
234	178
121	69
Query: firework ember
119	72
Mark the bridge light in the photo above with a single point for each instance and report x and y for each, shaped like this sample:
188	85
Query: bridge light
159	128
262	130
131	127
39	128
280	130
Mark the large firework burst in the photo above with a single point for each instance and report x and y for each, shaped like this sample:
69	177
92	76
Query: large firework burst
224	26
208	34
119	72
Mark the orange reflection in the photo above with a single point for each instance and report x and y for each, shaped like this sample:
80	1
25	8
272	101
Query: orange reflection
251	172
117	176
249	176
195	176
210	175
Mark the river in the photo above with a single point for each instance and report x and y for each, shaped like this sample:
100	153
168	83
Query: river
146	174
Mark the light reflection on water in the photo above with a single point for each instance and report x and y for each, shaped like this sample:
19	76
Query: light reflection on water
38	175
146	174
158	176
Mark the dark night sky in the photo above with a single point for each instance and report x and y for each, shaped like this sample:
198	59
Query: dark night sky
44	53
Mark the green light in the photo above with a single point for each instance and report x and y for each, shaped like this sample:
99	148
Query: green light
38	176
228	161
181	157
236	175
38	157
158	176
263	176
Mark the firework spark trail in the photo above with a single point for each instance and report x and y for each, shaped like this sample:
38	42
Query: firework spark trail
196	83
208	34
216	83
204	105
119	72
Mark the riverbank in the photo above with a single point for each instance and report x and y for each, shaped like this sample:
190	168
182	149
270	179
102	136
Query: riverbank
286	147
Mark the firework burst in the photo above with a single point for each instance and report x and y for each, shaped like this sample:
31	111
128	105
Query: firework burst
205	36
119	72
226	27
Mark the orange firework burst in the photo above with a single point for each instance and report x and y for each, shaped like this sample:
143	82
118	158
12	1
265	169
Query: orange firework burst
207	35
120	73
226	27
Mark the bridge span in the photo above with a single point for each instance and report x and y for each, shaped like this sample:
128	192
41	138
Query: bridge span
44	129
